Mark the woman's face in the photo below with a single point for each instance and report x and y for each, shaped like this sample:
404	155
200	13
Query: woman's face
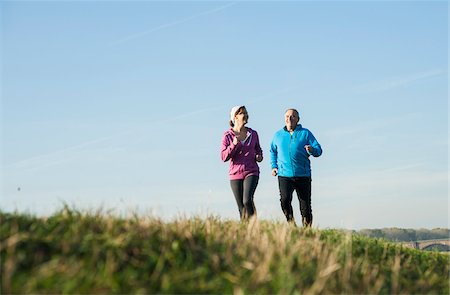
241	117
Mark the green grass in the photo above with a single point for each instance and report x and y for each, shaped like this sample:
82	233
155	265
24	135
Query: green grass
92	253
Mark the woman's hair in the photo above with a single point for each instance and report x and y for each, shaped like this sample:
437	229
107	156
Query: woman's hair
237	112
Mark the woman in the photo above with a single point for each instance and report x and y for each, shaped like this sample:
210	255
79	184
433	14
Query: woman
240	145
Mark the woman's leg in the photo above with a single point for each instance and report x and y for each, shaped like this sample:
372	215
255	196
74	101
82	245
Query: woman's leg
250	184
237	186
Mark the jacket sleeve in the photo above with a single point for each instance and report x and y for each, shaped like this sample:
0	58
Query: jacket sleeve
228	149
317	149
273	154
258	149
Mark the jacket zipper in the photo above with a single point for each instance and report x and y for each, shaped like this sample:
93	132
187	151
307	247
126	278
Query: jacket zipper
290	155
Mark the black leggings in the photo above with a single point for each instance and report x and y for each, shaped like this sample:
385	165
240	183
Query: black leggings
244	190
302	185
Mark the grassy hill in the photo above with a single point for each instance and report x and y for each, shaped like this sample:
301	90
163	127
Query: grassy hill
79	252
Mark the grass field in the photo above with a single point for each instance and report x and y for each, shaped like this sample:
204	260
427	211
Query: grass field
92	253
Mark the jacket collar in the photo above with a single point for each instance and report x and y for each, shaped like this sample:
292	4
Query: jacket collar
297	128
230	131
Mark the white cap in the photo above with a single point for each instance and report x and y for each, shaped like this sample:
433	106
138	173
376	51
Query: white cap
233	112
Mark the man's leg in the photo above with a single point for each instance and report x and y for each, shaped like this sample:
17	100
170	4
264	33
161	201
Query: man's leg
286	187
303	189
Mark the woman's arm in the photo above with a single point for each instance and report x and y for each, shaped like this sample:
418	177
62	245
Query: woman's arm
228	148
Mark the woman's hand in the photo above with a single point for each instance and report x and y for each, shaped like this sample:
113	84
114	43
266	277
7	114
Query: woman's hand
259	158
235	140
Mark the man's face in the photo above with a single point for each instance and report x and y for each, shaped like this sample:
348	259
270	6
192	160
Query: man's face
291	119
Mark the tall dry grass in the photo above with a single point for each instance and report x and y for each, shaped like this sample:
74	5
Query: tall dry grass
80	252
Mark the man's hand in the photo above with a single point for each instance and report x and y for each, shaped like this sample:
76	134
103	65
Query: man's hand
308	148
274	171
259	158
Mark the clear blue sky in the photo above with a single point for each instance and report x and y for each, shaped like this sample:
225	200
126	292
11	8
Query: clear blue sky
122	104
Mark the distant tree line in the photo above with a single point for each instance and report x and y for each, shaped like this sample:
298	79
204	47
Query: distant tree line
406	235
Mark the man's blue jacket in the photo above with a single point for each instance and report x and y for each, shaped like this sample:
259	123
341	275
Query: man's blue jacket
288	153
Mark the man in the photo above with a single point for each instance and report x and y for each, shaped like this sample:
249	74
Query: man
289	157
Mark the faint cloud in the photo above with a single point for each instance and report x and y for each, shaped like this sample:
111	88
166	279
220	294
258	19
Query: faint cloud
135	135
222	106
189	114
369	126
395	82
271	94
58	156
171	24
405	182
413	166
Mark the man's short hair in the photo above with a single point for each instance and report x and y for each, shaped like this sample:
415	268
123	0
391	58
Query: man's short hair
298	115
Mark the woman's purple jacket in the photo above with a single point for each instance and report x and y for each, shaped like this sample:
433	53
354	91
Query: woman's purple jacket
242	156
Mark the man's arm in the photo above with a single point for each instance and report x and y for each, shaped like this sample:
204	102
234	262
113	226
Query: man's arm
313	148
274	157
